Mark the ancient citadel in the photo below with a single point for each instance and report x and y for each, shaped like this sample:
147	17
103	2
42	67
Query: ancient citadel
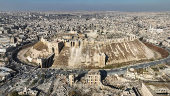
90	49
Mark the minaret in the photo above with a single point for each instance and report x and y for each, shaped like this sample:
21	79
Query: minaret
151	29
150	26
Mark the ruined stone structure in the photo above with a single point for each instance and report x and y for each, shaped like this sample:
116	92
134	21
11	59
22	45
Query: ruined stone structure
46	62
94	50
101	50
102	60
93	78
54	46
71	79
43	52
80	42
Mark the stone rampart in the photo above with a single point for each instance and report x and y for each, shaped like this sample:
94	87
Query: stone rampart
78	43
54	46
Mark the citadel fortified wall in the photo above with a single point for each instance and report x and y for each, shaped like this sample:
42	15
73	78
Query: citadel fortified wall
80	42
102	52
77	51
54	46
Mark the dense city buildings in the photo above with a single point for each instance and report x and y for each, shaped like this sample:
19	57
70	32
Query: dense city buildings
85	53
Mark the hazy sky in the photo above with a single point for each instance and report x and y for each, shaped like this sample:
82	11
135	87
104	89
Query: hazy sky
84	5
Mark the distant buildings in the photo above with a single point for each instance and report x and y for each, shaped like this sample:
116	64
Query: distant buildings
82	39
166	43
155	31
6	73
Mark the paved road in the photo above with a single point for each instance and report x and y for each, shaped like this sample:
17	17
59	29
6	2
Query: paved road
123	70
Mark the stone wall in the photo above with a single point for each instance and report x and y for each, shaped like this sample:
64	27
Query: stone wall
100	53
54	46
106	54
47	62
145	90
101	60
78	43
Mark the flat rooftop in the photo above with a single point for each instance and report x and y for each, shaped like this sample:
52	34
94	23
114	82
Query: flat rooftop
157	85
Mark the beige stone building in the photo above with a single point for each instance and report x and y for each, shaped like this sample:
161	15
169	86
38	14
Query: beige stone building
93	78
101	60
53	46
155	89
71	79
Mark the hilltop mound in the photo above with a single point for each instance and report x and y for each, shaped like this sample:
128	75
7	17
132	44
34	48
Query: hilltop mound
88	55
39	50
40	46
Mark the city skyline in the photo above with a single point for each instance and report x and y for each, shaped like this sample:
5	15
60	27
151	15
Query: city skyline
85	5
81	53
